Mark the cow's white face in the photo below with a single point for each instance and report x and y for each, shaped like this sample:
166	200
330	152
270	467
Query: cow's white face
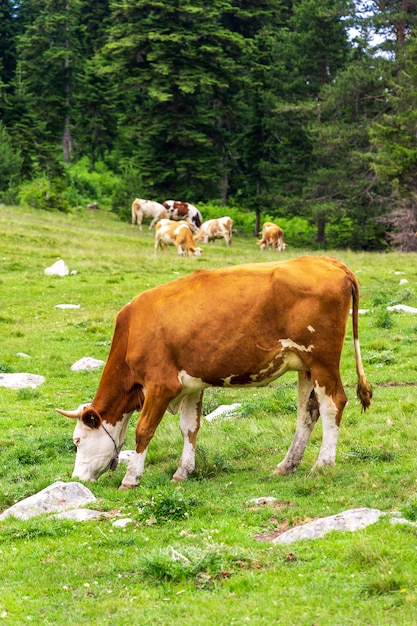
95	451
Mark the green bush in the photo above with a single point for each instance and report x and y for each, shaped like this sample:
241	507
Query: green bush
86	187
42	193
128	187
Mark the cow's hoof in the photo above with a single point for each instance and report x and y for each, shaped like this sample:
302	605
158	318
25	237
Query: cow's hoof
178	479
280	469
124	487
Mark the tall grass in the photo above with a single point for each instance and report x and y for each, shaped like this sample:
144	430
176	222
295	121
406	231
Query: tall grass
192	552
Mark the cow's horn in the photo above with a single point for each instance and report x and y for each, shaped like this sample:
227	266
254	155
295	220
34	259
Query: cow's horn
74	414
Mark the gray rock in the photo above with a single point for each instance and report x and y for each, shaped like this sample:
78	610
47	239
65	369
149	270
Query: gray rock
263	500
121	523
57	497
67	306
20	381
86	363
81	515
125	456
353	519
224	410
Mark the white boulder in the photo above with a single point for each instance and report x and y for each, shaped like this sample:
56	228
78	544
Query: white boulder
56	498
20	381
59	268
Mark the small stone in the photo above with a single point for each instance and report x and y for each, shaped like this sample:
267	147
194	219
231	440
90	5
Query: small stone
87	363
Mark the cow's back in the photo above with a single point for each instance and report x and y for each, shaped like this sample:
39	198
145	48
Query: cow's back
239	318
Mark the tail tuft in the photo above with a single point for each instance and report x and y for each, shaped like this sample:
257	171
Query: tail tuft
364	392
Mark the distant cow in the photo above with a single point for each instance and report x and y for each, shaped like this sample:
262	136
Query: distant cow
178	234
240	326
147	208
272	235
216	229
184	211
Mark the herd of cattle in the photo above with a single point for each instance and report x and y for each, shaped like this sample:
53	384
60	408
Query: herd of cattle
239	326
181	224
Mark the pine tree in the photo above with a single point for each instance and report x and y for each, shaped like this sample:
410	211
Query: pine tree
395	141
49	61
174	72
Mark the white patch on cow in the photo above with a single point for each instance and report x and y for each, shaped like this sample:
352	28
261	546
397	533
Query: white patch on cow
189	425
361	370
290	362
189	385
328	412
96	448
311	329
289	343
134	470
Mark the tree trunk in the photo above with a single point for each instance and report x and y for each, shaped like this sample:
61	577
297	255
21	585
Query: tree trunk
67	141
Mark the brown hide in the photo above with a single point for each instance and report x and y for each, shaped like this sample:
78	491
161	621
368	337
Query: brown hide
231	327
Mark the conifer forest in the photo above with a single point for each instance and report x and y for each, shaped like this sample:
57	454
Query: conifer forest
288	108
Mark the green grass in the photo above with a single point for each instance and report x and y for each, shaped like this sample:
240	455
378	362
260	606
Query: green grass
192	553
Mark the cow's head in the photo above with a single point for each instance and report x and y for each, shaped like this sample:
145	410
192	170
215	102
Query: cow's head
98	443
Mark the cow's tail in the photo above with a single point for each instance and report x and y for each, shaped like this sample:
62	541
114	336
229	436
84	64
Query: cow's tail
363	389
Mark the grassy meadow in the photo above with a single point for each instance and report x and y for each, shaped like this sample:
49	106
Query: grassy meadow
57	571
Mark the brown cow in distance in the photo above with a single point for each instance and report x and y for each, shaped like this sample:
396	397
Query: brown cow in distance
272	235
184	211
178	234
240	326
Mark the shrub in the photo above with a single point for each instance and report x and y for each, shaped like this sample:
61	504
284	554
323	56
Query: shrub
86	187
46	194
128	187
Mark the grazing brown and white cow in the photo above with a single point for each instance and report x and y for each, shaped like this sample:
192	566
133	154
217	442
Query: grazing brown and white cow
272	235
147	208
184	211
238	326
216	229
178	234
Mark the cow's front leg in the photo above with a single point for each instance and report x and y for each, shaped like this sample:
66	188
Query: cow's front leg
307	416
134	470
156	402
189	426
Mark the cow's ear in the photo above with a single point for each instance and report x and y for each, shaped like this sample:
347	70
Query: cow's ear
91	418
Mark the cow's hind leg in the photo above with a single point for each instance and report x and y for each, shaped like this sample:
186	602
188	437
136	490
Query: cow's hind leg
156	403
331	405
189	426
307	416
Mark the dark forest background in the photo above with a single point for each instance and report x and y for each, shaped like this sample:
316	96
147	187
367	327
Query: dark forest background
291	109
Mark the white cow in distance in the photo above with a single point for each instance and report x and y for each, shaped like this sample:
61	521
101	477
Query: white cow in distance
147	208
217	228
